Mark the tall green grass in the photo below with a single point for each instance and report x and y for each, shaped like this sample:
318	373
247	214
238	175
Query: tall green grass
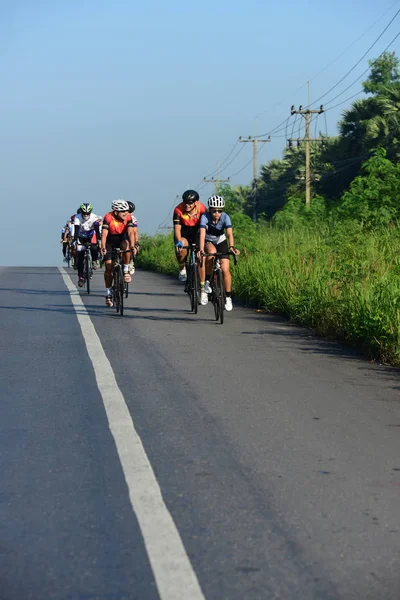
342	280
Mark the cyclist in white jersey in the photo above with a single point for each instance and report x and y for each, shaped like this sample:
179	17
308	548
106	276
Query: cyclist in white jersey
86	228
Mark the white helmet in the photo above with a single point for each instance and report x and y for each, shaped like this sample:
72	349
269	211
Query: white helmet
216	202
119	205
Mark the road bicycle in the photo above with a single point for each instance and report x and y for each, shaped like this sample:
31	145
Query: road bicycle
67	255
192	286
88	265
120	288
218	297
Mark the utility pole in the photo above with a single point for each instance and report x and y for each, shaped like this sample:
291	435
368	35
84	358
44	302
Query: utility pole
216	181
168	227
255	152
306	113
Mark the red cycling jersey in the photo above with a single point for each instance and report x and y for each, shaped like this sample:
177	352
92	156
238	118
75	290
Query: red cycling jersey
182	218
116	226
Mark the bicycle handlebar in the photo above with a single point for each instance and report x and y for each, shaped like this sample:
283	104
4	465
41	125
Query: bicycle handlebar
219	255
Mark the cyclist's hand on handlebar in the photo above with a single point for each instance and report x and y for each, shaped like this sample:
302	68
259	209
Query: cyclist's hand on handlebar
179	246
234	250
103	250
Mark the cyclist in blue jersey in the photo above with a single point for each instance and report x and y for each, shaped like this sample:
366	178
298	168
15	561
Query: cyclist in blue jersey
216	235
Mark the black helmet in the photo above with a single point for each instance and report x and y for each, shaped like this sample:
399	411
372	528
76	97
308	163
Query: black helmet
79	211
132	207
190	196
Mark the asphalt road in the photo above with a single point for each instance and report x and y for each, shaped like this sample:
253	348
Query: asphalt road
277	454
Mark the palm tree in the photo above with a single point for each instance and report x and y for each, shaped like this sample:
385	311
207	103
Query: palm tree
384	128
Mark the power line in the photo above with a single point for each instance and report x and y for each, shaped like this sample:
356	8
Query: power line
355	42
366	70
358	62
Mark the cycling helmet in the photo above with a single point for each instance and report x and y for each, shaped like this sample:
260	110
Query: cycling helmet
190	196
86	207
132	207
119	205
79	211
216	202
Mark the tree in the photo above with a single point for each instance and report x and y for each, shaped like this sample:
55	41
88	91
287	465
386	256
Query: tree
384	127
374	196
384	72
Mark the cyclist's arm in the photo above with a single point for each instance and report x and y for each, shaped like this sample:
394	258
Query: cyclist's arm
96	227
177	232
229	235
131	234
202	238
77	227
104	234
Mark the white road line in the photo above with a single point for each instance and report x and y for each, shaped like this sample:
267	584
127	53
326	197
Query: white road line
171	567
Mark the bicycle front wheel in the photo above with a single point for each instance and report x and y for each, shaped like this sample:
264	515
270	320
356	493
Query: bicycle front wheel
195	289
122	285
116	289
87	273
220	297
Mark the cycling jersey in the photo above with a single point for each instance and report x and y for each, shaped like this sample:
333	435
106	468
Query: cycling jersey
115	226
86	229
215	232
188	222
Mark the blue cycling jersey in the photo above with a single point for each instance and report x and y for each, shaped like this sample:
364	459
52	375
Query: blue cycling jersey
215	232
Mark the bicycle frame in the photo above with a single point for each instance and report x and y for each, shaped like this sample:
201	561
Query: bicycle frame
88	266
217	284
192	283
119	287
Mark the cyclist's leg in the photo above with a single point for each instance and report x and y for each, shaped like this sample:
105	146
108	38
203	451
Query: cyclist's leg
181	257
209	248
94	249
126	259
80	256
108	268
226	274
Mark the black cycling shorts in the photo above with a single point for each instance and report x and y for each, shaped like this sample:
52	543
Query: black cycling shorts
114	241
221	248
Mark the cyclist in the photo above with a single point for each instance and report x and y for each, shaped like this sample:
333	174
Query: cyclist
215	228
64	242
117	232
186	221
131	209
86	228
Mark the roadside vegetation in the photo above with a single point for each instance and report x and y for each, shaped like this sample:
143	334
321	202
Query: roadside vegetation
334	267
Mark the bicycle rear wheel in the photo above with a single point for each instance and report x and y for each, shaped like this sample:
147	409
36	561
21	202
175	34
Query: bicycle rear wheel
68	256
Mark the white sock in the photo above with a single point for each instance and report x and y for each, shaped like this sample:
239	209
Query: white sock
108	291
126	267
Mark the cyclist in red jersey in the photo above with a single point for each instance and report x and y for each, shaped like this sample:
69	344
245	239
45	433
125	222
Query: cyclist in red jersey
186	230
117	232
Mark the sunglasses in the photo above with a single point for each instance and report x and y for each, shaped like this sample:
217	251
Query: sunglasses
214	210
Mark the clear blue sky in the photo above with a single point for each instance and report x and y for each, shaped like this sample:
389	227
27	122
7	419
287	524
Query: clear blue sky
140	100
